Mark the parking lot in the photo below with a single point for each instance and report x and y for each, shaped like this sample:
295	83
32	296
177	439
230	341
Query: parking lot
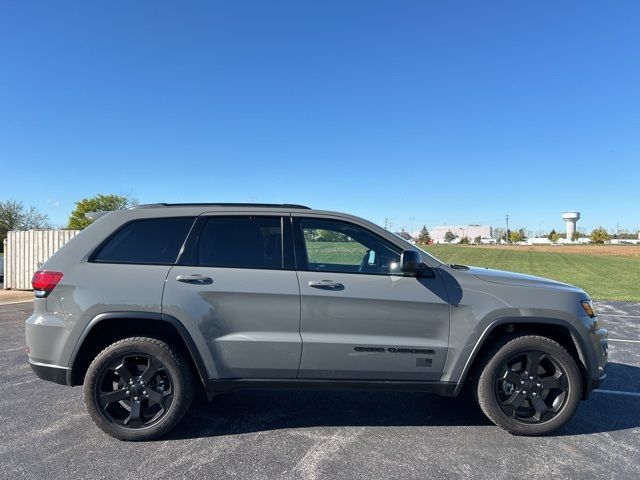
45	431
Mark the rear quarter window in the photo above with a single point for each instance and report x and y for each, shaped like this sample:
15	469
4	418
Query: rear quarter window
151	241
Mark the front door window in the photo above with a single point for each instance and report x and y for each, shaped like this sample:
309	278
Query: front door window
335	246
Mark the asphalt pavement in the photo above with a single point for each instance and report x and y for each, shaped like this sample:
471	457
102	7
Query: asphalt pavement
45	431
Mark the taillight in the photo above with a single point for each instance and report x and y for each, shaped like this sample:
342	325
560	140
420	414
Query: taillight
44	282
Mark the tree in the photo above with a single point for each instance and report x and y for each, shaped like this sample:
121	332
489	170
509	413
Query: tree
98	203
321	235
599	235
627	236
575	236
404	234
624	236
449	237
332	236
517	235
477	240
465	240
424	236
15	216
553	236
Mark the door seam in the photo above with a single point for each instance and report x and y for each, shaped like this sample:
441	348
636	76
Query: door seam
299	324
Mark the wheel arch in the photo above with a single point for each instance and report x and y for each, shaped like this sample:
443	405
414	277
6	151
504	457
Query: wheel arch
109	327
561	331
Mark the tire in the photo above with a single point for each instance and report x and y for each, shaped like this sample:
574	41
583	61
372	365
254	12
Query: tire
520	404
138	388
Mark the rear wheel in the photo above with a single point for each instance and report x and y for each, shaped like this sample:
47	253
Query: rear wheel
138	388
529	385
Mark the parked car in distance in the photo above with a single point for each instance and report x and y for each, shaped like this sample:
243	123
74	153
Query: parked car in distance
488	241
150	304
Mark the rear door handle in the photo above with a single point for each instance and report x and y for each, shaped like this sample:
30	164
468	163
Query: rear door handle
326	284
195	279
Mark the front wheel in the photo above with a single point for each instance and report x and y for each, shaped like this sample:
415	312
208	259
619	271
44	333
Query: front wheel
138	388
529	385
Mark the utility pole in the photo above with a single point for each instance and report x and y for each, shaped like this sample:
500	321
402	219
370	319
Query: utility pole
506	236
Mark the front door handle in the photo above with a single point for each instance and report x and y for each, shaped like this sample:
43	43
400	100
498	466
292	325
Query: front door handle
195	279
326	284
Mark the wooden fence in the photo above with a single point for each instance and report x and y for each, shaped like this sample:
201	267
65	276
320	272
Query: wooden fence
26	251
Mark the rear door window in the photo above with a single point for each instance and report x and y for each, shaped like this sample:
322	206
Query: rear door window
241	242
148	241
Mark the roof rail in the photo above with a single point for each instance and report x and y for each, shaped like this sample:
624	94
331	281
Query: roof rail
258	205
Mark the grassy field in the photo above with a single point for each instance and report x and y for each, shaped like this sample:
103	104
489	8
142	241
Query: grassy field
608	272
345	253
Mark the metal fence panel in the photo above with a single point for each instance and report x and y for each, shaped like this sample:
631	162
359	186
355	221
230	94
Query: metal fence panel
26	251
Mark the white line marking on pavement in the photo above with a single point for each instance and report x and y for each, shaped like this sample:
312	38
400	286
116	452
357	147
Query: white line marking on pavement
623	340
618	392
617	315
15	302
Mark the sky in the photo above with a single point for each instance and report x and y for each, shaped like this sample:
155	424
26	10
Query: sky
418	112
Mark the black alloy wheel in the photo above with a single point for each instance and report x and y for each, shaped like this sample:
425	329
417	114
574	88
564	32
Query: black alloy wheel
531	387
138	388
528	384
134	390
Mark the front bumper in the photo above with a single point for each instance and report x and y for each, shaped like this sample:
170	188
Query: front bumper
596	383
598	338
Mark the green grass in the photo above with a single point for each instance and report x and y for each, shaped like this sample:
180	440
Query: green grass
345	253
603	277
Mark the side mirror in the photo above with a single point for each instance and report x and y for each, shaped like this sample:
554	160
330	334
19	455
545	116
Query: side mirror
411	262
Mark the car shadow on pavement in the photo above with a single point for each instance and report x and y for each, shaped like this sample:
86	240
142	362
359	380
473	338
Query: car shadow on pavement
609	412
255	411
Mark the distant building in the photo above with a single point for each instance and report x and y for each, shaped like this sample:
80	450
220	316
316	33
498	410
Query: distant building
546	241
471	231
625	241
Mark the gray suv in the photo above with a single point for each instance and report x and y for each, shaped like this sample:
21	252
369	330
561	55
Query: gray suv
148	303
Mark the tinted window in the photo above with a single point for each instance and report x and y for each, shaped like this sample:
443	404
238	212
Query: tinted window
335	246
241	242
156	240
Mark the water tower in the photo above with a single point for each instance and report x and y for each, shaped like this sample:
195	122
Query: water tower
570	219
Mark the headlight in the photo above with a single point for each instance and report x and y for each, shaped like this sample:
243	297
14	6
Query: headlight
588	308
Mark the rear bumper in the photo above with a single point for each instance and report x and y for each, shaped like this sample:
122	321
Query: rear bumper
51	373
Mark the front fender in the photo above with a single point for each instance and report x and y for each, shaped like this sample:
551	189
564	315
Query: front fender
464	360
